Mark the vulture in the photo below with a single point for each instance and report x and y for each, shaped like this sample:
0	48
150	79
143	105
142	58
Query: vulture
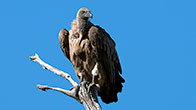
92	53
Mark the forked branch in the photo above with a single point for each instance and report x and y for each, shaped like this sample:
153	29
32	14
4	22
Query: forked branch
79	92
54	70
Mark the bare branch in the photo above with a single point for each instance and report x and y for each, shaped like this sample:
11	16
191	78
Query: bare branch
81	92
72	93
54	70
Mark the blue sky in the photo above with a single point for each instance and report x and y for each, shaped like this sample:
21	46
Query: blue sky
156	43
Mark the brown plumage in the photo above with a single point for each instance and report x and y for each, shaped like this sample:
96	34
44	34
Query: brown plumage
87	45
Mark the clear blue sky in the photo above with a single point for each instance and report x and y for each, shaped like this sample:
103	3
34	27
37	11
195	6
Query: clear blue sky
156	43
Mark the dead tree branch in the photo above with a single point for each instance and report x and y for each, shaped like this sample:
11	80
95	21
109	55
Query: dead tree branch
54	70
80	91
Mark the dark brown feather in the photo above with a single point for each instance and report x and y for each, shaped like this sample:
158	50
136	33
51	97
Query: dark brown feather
64	42
111	82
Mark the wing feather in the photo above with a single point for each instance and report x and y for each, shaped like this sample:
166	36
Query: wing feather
108	57
64	42
104	44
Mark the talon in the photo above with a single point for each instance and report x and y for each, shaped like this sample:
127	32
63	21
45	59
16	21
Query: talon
91	86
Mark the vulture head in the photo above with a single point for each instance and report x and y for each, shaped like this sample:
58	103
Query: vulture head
84	13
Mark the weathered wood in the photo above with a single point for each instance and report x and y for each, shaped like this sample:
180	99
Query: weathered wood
81	92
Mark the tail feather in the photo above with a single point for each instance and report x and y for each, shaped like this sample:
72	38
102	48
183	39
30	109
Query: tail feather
108	92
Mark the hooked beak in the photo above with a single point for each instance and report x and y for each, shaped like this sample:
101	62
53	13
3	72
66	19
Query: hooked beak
89	15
